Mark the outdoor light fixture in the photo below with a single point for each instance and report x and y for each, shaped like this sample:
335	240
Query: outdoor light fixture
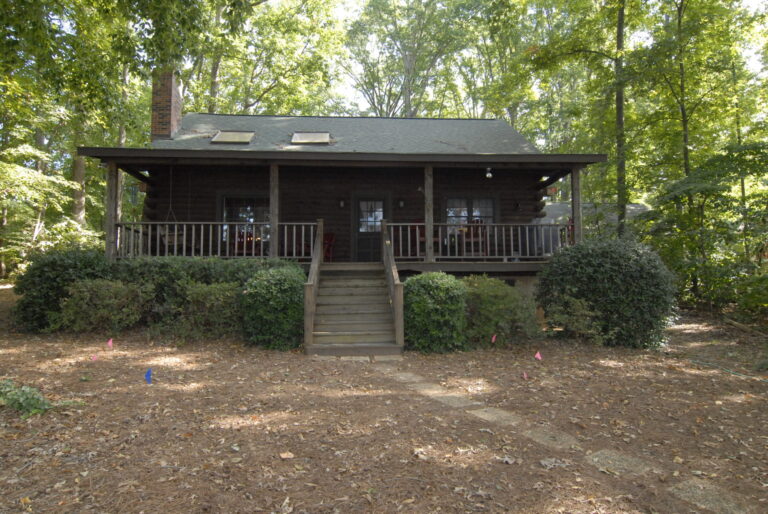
488	173
401	203
341	203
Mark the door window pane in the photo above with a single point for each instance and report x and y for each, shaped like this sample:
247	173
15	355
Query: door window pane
371	214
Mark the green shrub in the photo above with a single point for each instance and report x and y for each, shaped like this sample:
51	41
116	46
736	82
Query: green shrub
99	304
496	308
44	283
752	298
626	289
273	307
26	400
435	313
210	310
171	275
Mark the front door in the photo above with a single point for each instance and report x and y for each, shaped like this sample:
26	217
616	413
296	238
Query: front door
370	213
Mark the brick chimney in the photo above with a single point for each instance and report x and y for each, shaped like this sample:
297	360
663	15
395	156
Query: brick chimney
166	105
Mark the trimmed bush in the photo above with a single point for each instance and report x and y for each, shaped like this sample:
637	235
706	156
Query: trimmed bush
615	292
210	310
45	282
273	308
496	308
171	275
99	304
435	313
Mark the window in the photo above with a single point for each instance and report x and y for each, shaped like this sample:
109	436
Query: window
461	211
317	138
371	214
245	210
231	137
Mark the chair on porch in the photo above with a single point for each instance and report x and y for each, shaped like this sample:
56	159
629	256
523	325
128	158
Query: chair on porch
329	238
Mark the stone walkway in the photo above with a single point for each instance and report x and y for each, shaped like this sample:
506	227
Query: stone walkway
701	493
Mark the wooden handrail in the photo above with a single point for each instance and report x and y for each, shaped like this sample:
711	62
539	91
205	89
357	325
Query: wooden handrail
310	286
394	284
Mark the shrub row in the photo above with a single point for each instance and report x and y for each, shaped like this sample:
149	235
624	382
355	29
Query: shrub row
191	298
443	313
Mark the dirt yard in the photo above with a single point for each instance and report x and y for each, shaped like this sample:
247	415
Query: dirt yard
229	428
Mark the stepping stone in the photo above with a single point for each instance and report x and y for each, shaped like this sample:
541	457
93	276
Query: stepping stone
617	462
494	415
437	393
404	376
708	496
551	438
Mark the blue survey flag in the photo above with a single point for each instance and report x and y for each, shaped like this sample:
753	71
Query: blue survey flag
148	376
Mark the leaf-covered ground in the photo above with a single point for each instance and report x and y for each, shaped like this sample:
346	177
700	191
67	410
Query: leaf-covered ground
228	428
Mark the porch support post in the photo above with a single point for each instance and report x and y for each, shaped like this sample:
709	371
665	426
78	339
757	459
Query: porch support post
429	213
576	204
114	206
274	210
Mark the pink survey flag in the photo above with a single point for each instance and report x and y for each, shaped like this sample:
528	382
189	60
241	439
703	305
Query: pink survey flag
525	375
109	343
493	339
537	356
93	357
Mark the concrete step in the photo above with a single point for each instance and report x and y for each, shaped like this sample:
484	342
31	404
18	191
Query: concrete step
377	308
345	350
374	299
352	291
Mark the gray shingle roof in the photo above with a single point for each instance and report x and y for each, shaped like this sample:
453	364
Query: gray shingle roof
353	135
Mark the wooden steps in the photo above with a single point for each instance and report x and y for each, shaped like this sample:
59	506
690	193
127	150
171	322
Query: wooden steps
353	316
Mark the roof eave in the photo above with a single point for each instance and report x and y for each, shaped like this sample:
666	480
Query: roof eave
135	155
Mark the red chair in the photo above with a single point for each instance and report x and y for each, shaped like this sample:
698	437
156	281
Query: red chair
329	238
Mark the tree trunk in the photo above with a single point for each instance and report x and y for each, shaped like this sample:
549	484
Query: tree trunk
3	225
122	133
622	196
213	89
78	196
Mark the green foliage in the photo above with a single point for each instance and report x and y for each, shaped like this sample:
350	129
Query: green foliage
26	400
496	308
170	277
435	313
273	308
210	310
618	292
101	304
752	296
45	282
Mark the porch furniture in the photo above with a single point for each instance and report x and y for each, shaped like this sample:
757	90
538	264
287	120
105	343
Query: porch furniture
328	240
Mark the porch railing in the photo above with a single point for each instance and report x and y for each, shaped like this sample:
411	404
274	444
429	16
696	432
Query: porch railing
214	239
479	241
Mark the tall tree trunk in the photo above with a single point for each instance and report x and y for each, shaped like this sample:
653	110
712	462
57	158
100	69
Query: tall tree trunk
622	196
122	133
213	89
78	196
3	225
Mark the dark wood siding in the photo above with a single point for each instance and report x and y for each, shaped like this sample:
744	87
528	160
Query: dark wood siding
309	193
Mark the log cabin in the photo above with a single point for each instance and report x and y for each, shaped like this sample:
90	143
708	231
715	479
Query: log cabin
359	200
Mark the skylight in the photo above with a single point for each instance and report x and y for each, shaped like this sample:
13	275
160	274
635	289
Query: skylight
309	138
233	137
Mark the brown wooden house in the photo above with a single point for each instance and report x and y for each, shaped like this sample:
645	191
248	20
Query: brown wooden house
357	199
